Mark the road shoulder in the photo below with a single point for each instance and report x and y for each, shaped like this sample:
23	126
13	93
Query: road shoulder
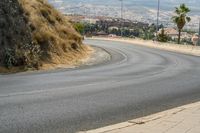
184	49
96	57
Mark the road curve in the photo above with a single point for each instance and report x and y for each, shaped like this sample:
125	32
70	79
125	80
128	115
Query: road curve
137	81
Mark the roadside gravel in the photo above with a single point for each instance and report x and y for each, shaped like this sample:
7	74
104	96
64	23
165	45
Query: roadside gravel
98	56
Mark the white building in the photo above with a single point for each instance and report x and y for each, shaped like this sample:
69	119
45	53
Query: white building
173	33
113	28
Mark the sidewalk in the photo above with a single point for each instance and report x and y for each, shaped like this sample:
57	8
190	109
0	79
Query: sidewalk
184	119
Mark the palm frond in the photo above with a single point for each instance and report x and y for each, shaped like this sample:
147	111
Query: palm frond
182	6
184	9
175	19
177	10
188	19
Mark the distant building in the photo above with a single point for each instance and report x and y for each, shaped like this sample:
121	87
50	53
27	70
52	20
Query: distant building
102	34
113	28
89	20
171	32
185	35
75	18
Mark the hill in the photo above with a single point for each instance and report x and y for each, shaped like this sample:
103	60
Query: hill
137	10
33	34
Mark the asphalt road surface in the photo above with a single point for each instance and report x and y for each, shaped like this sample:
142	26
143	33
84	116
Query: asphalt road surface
137	81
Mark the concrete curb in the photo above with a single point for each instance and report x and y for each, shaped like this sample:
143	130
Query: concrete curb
143	120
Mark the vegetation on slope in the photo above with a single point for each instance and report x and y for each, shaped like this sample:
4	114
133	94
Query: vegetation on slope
37	34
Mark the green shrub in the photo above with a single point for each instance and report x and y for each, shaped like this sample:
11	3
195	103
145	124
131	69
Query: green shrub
79	27
31	55
28	56
162	37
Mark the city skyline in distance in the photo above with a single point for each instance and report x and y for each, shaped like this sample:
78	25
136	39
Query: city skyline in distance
138	10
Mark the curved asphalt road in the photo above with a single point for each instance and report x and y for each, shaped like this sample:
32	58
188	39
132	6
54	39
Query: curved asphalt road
136	82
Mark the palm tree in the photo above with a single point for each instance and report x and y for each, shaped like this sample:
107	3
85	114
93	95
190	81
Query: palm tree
181	18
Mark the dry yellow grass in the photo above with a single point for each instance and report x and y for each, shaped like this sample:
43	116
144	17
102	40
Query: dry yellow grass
59	42
41	37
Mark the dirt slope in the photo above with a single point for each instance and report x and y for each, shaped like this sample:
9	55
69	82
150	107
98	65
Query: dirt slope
33	34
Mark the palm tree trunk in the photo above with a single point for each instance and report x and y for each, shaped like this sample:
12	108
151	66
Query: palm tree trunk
179	36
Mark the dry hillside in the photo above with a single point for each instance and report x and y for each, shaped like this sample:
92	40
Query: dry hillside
33	34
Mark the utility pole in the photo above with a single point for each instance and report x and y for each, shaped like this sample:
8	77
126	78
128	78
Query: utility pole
199	33
122	4
158	14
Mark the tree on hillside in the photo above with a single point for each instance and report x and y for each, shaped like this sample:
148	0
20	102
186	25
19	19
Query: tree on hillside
181	18
79	27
